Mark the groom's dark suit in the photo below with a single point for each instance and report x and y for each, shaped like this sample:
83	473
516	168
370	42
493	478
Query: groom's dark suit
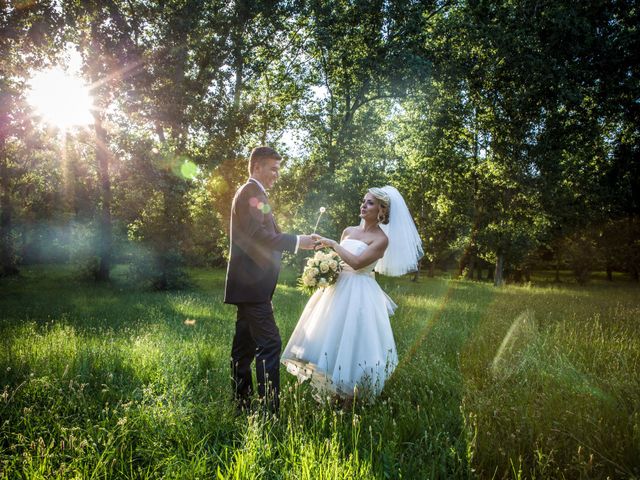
254	263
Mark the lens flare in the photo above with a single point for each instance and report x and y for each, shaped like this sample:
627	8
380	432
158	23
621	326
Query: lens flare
188	170
520	335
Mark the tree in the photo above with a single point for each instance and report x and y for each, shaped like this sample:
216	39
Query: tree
27	38
104	33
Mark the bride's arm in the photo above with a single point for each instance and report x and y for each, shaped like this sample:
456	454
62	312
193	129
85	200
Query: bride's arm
373	252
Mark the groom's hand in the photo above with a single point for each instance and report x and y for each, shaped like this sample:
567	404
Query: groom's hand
317	241
322	242
306	242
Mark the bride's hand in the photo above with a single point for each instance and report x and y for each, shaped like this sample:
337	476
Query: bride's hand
322	242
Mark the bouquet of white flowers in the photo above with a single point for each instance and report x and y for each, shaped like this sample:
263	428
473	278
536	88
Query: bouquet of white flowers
321	271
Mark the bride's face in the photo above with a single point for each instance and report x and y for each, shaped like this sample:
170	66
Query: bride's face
369	208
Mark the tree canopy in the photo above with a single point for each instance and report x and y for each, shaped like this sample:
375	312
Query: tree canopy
511	128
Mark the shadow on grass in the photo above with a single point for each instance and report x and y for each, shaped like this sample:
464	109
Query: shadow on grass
67	324
45	293
82	363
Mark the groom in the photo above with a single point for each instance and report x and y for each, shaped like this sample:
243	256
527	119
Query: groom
254	263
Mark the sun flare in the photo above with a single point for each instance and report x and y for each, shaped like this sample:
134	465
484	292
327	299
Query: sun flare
60	98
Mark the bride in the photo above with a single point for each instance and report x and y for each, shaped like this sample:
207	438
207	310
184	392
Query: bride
343	341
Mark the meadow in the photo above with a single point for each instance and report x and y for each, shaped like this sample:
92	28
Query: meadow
112	381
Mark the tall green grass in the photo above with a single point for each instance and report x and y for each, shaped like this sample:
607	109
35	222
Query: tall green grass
109	381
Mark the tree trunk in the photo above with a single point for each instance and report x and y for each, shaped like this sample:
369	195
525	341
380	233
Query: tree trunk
517	275
416	274
105	234
472	266
609	273
498	279
69	177
432	269
7	263
470	254
29	253
472	249
632	259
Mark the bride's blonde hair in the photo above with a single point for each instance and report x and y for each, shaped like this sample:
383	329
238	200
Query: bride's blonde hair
384	201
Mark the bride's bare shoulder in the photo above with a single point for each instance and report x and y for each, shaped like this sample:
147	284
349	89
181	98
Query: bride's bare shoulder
381	237
347	231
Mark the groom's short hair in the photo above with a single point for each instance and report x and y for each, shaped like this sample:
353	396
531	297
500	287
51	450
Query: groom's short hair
260	155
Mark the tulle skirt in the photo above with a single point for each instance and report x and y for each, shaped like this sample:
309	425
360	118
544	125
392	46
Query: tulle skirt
343	342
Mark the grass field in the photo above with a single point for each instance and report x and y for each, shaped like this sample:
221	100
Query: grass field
109	381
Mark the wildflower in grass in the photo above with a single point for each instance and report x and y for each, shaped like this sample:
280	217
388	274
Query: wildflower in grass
355	420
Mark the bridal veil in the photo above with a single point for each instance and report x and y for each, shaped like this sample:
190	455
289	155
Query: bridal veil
405	247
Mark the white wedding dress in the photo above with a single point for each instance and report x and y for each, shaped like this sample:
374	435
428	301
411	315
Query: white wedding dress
343	339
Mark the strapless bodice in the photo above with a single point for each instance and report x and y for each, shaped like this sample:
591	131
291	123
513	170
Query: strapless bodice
356	247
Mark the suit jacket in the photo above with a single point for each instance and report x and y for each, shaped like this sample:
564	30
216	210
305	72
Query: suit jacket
256	248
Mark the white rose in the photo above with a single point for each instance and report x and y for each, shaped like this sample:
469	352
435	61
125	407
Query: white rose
324	267
333	265
312	282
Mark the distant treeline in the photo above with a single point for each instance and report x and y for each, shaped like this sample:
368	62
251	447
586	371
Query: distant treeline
512	128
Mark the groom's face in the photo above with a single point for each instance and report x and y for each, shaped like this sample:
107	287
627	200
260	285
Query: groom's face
267	172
